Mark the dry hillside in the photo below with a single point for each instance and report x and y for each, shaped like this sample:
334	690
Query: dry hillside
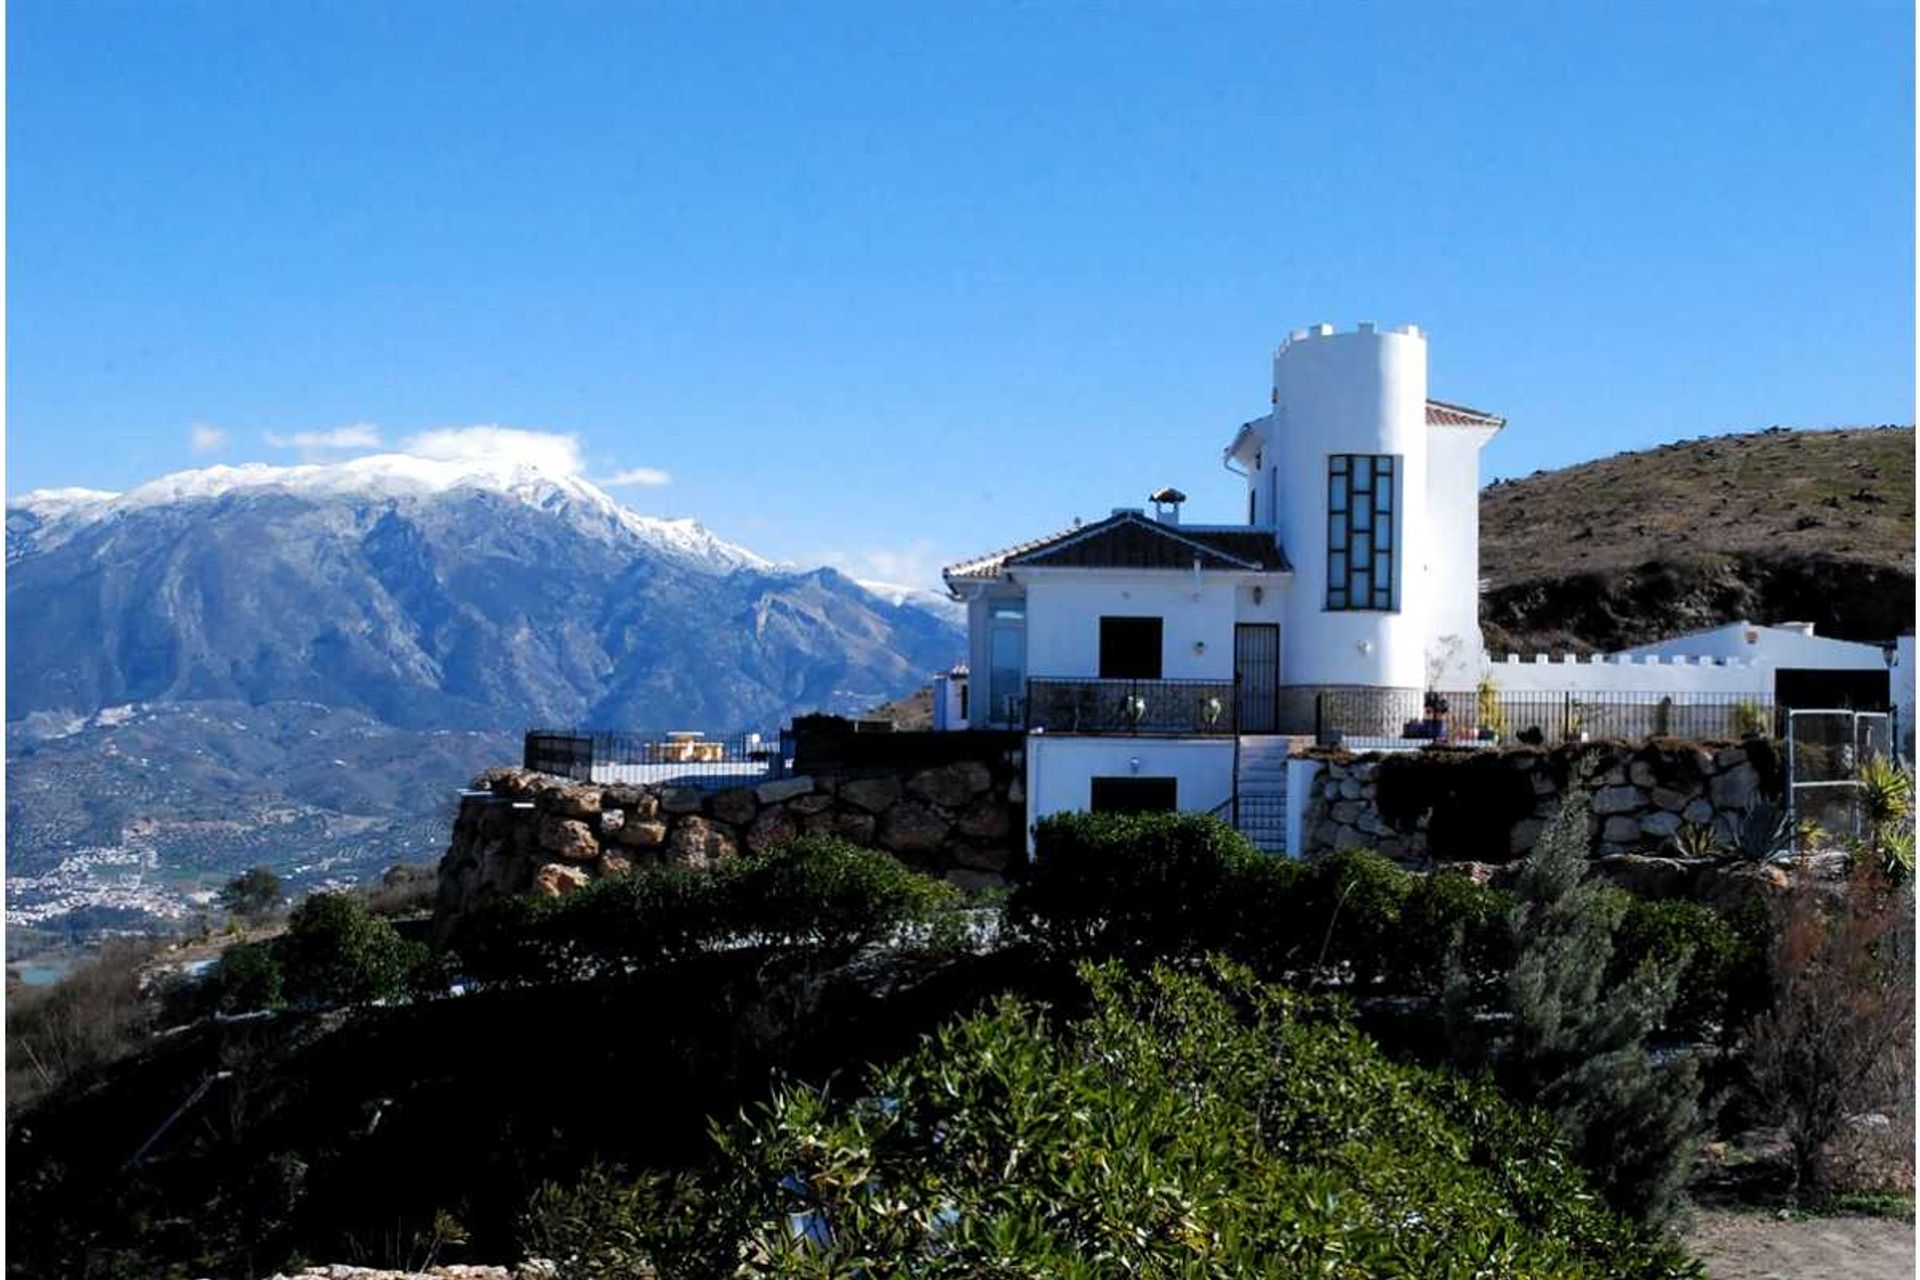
1771	526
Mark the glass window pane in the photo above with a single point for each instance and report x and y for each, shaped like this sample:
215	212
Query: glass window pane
1362	472
1383	494
1337	533
1384	464
1382	573
1339	464
1337	566
1383	533
1362	548
1362	519
1357	586
1337	496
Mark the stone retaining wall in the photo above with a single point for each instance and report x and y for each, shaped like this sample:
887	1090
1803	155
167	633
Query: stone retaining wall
541	834
1491	806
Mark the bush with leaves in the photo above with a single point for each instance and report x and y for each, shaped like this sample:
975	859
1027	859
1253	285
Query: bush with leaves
817	894
1131	886
336	952
1720	962
253	894
1566	1031
247	977
1191	1124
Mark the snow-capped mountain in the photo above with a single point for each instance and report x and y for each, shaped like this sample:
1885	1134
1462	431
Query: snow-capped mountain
471	592
464	600
50	516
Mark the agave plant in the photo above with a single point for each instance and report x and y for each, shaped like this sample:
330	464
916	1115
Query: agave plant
1210	711
1696	840
1135	708
1764	832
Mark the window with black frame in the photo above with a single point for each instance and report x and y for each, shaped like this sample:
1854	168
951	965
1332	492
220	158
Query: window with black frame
1360	532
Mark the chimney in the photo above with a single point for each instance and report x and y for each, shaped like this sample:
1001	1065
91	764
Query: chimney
1166	505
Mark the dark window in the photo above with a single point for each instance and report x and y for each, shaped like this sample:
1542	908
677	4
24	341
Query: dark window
1360	534
1130	648
1136	795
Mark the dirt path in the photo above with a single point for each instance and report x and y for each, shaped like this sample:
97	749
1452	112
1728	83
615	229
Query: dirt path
1758	1246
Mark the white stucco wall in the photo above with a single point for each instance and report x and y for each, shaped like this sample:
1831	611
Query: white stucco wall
1366	393
1602	674
1777	646
1064	608
1060	769
1450	556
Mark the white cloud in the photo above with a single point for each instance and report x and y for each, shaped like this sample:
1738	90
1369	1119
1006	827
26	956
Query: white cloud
555	454
204	437
914	565
360	435
637	478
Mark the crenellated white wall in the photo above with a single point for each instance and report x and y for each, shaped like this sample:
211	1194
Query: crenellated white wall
1566	673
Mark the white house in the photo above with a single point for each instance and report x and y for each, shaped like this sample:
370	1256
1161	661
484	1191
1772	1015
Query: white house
1154	663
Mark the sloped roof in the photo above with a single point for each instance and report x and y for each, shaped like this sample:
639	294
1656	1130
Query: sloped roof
1129	540
1442	414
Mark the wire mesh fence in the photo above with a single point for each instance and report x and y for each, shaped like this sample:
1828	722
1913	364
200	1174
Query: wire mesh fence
682	758
1384	718
1826	750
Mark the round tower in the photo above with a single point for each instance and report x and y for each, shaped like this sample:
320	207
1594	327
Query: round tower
1347	452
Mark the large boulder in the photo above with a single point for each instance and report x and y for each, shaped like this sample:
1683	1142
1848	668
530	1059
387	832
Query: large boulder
735	805
642	834
568	838
696	842
951	785
557	880
984	819
875	795
772	828
911	827
1650	877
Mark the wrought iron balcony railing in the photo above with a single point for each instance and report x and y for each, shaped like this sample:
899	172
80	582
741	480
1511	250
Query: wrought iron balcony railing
1167	707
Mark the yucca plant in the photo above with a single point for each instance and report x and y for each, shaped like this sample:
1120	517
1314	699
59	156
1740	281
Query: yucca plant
1886	814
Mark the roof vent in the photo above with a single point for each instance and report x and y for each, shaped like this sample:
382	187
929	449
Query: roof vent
1166	504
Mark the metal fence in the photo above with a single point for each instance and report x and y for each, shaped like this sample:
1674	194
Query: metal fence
682	758
1378	718
1185	707
1825	752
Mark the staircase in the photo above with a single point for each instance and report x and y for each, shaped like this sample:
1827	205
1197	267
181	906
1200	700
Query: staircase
1261	787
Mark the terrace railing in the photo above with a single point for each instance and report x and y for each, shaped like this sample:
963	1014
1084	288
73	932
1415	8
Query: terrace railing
685	759
1386	717
1185	708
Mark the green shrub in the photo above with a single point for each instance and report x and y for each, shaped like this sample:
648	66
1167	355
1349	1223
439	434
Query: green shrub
247	977
817	894
336	952
1711	957
1133	886
1443	909
828	894
1190	1126
1347	912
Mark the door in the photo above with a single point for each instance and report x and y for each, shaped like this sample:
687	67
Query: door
1256	673
1134	795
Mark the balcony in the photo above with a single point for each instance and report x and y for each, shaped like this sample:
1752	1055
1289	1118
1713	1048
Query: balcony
1183	708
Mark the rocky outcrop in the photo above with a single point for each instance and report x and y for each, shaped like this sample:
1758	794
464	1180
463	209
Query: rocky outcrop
533	833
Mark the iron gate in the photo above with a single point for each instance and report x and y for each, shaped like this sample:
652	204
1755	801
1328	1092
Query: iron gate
1256	670
1825	750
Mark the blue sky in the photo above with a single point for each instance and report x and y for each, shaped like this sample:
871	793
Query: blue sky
888	285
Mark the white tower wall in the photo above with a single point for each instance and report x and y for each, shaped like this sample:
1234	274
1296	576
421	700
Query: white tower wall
1360	393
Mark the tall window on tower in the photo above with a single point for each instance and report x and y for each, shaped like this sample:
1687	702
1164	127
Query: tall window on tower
1360	541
